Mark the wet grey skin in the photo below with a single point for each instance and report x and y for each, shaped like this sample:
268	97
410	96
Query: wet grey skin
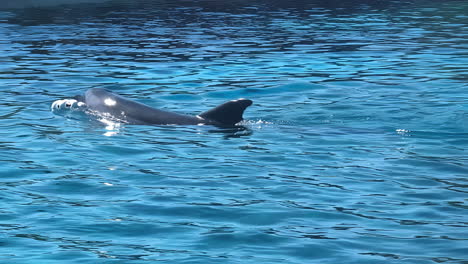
105	102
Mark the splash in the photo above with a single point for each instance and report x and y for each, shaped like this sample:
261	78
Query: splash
403	132
258	124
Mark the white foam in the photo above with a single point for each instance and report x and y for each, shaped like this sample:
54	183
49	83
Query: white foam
402	131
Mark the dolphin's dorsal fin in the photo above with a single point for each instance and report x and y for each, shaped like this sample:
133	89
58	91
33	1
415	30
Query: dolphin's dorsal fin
229	113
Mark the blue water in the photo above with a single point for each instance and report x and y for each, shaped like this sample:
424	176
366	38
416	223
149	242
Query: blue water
355	150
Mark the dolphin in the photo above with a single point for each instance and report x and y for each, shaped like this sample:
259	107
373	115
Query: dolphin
104	103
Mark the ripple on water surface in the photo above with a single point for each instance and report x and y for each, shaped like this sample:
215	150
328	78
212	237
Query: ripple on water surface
354	150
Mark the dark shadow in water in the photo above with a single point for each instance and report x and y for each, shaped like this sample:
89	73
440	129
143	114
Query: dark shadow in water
232	132
183	11
7	4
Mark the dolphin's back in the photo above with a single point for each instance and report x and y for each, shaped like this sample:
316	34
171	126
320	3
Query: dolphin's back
109	104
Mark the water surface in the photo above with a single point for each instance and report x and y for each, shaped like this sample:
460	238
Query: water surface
353	152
